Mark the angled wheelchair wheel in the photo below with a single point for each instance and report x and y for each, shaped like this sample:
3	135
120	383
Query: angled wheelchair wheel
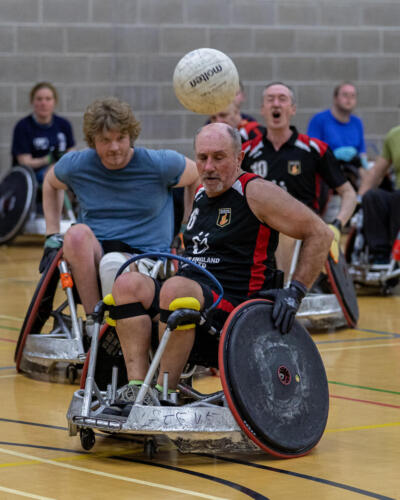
17	199
343	287
275	385
109	354
348	251
40	307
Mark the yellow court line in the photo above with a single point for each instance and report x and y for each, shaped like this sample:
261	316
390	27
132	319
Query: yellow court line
13	318
24	494
10	376
369	346
362	427
110	476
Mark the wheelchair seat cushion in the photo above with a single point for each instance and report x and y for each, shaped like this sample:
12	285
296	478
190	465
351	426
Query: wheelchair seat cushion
275	384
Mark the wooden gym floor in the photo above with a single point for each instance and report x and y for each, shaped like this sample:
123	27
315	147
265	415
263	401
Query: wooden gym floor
358	456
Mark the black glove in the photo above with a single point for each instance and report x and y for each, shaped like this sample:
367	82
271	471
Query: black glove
287	303
51	246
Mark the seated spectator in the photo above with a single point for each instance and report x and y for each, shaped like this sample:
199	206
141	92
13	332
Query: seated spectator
42	137
381	207
342	131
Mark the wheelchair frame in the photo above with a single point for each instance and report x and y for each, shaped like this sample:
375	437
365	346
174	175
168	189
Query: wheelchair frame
39	353
203	425
365	274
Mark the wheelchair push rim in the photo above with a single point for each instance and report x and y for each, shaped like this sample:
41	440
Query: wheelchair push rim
275	385
48	280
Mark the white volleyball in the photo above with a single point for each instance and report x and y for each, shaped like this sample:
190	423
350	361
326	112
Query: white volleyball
205	81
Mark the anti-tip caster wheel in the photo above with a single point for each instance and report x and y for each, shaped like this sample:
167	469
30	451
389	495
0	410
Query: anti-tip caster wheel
87	438
71	373
150	448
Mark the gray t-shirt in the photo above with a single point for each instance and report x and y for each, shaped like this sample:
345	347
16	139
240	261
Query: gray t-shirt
133	204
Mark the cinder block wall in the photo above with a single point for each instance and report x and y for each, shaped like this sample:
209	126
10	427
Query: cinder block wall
129	48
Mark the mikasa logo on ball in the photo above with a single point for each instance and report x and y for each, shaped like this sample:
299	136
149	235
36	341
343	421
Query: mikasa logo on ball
204	77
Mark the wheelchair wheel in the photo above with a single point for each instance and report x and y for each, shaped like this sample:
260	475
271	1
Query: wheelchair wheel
40	308
17	198
350	244
275	385
109	355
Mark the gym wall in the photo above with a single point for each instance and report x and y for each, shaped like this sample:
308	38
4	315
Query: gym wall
129	48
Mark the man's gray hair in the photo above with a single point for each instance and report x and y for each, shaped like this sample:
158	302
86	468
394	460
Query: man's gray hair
290	89
233	132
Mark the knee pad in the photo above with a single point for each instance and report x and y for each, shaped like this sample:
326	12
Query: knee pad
108	268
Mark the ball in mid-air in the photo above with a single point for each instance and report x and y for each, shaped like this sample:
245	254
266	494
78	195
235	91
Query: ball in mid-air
205	81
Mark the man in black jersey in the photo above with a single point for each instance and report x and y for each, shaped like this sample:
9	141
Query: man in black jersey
293	161
233	233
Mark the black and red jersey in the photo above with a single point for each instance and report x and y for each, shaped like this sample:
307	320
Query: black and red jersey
225	237
298	166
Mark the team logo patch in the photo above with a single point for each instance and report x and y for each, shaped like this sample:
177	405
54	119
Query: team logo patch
224	217
294	167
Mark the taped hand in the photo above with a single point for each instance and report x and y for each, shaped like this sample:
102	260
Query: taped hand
51	246
287	303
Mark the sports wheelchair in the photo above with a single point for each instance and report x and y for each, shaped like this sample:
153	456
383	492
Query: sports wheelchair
331	302
382	277
52	343
274	393
19	206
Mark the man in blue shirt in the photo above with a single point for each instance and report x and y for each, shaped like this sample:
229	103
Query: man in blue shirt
124	193
339	128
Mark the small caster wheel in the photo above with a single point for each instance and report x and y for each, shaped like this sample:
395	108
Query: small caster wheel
87	438
150	448
71	373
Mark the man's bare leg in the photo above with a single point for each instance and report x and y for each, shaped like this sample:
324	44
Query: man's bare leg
83	252
135	333
180	342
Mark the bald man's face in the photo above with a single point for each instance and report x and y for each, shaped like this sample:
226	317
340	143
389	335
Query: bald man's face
216	159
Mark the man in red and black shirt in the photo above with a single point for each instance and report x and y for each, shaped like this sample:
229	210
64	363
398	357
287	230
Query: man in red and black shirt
232	233
293	161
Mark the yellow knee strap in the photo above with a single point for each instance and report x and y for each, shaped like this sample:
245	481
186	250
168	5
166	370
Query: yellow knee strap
109	301
185	303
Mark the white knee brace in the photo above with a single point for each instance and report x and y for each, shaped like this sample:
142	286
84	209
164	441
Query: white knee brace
108	268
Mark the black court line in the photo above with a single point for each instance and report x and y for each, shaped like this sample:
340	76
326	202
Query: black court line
7	367
298	474
33	423
243	489
51	448
241	462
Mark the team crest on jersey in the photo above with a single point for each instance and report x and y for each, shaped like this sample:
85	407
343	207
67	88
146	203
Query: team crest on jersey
224	217
294	167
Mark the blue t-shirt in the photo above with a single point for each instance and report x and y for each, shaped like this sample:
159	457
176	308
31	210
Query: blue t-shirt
336	134
133	204
31	137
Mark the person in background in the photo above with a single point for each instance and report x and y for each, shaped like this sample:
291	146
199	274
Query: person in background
343	131
381	208
295	162
42	137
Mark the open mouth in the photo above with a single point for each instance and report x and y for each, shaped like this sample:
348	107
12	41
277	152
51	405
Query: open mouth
276	114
